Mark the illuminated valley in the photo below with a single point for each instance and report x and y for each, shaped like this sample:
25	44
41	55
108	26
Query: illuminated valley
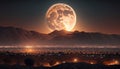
52	56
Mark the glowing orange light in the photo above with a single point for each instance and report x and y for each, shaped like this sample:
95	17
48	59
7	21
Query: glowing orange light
28	49
75	60
92	63
57	63
46	65
113	62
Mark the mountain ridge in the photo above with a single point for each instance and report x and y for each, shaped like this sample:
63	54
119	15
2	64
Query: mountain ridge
18	36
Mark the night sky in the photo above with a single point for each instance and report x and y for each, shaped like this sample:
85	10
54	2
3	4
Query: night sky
92	15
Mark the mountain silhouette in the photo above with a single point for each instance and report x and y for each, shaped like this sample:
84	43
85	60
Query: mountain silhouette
18	36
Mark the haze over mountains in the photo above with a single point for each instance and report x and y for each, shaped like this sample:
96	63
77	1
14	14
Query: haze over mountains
17	36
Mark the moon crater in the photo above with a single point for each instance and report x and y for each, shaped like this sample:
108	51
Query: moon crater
61	16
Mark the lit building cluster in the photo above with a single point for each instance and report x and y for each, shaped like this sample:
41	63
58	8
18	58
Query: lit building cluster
53	56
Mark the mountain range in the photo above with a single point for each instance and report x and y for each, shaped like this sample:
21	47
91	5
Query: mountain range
18	36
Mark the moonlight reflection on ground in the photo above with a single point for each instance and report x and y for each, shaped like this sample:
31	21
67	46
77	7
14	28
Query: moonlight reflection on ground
61	16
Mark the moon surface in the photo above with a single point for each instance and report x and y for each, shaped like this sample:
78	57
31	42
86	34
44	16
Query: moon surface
61	16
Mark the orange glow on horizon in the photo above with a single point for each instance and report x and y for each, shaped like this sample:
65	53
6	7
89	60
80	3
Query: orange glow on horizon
112	62
29	49
75	60
47	65
57	63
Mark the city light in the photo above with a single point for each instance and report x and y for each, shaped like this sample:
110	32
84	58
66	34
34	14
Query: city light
75	60
113	62
64	62
57	63
28	49
92	62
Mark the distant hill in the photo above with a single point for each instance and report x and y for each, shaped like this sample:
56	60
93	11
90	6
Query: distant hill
18	36
84	38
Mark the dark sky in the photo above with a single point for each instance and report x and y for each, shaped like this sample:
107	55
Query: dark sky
92	15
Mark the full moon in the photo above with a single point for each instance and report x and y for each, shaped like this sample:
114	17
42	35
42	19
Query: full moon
61	16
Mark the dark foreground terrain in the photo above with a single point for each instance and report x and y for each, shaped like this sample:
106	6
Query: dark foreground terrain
60	60
62	66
